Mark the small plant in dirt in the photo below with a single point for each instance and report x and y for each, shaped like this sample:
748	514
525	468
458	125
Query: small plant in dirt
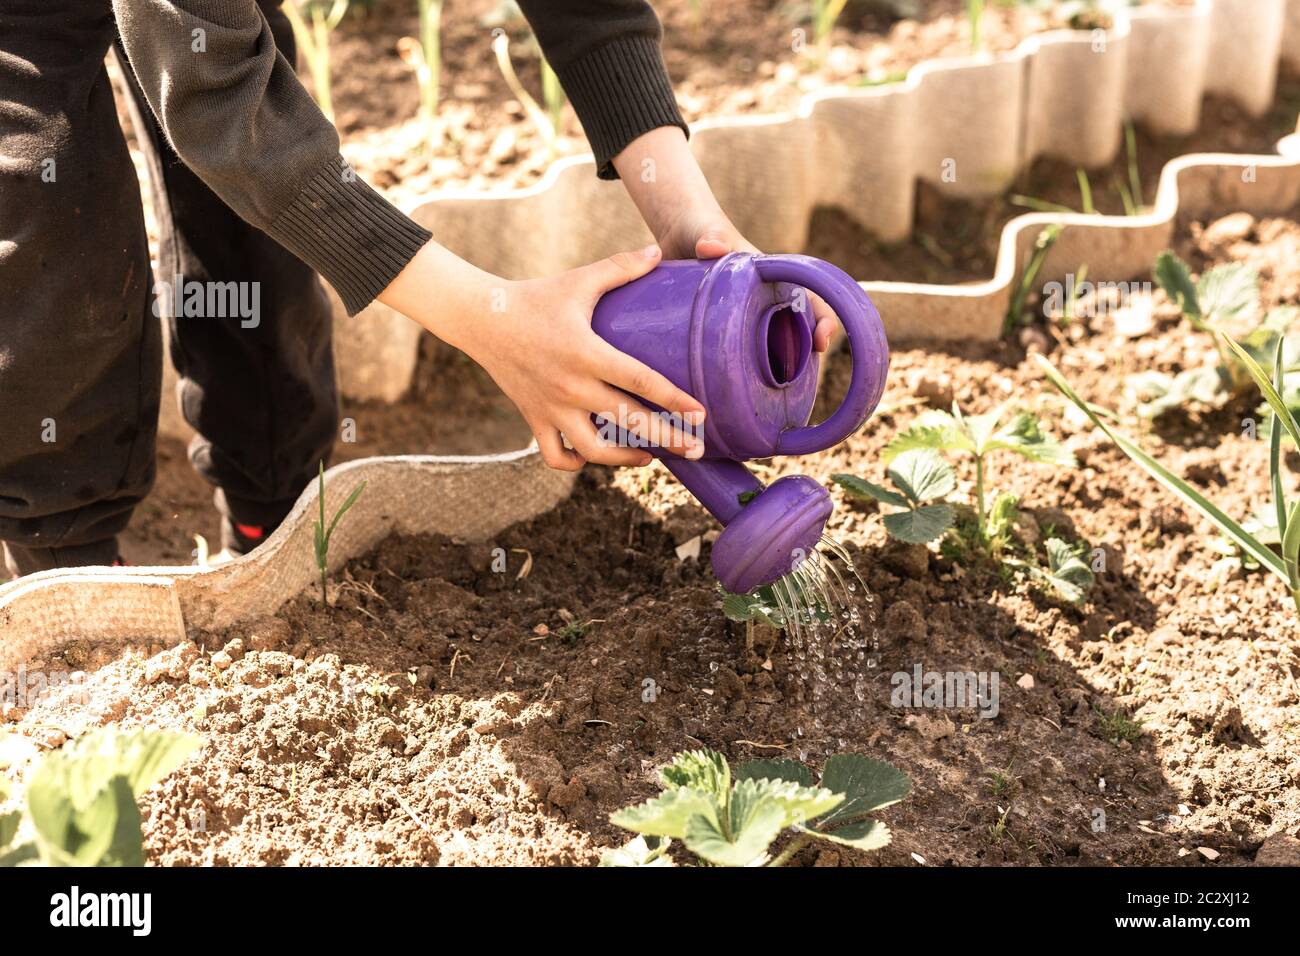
924	480
979	436
1117	725
760	606
423	55
1284	563
734	822
81	800
1066	573
546	121
323	532
573	632
1225	298
313	21
1016	315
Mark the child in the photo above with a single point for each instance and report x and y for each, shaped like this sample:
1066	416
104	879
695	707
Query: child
250	189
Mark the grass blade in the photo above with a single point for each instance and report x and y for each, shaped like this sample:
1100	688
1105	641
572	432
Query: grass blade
1085	192
1291	548
1275	453
351	500
1275	402
1248	543
1134	176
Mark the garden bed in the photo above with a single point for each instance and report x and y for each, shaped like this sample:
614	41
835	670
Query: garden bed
452	407
445	712
728	58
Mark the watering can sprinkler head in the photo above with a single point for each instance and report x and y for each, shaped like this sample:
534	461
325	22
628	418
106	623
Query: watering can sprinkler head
737	334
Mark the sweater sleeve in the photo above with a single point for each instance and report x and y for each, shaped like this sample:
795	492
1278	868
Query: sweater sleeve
607	57
234	111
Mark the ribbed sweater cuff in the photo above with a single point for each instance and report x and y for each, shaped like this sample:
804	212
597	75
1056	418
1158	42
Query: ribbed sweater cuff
350	234
619	91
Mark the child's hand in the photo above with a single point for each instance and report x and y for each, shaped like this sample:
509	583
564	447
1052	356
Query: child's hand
535	339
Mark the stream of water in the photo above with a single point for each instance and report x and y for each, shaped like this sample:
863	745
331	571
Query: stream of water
833	640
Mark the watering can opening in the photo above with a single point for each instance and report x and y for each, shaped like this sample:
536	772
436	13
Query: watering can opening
786	342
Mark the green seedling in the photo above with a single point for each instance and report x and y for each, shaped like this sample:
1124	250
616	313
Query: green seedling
761	606
1085	192
979	436
573	632
81	800
1042	246
824	15
323	532
1066	573
1131	194
1000	781
552	95
1042	205
424	56
726	822
1117	725
1091	14
923	480
1286	565
975	14
314	41
547	122
1225	297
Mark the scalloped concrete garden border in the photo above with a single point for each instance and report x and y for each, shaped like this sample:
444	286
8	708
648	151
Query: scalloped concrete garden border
1062	94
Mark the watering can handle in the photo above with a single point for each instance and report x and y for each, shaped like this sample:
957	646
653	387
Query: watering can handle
866	339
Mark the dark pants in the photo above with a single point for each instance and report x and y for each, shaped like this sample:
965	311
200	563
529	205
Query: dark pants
80	340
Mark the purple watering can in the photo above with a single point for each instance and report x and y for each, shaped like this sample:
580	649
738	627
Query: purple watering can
737	334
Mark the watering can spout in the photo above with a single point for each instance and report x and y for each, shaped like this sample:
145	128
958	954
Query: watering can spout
768	530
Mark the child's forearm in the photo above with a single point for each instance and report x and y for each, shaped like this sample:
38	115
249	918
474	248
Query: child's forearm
443	293
665	181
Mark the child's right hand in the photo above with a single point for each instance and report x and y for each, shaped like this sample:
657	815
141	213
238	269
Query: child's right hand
535	339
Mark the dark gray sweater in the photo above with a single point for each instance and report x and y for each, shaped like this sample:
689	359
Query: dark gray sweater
235	113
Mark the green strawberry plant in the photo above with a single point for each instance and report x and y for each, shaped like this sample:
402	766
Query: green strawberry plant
81	800
760	606
1066	572
1225	297
923	480
726	821
976	435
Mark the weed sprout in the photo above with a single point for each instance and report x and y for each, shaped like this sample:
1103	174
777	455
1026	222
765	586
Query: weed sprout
314	41
324	532
424	57
546	121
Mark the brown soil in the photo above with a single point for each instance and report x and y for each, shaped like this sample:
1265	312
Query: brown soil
726	57
444	712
